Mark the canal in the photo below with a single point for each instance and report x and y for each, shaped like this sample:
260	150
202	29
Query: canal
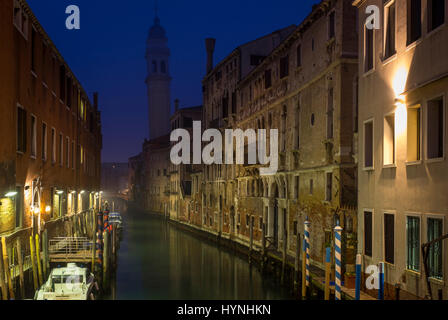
157	261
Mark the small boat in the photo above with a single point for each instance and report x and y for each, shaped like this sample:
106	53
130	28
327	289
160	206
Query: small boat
69	283
115	218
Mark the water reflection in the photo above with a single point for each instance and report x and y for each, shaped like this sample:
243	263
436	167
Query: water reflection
158	261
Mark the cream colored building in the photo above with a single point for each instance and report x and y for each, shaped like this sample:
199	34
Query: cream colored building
403	170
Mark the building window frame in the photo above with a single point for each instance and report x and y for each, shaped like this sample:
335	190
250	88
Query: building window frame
418	216
33	136
394	214
393	163
372	167
420	134
409	25
426	139
21	143
44	141
372	234
387	56
442	218
366	69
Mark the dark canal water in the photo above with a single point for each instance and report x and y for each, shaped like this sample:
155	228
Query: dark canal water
157	261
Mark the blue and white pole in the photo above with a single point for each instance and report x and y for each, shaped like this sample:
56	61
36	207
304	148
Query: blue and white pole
338	261
307	251
358	276
381	281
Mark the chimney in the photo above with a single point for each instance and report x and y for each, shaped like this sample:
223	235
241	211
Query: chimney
210	46
176	105
95	100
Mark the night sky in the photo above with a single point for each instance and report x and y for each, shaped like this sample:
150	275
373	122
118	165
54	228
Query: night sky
107	53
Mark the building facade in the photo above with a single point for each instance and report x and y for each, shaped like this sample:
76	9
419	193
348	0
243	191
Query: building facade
50	155
403	169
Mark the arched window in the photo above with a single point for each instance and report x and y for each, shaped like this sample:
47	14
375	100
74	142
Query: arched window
163	67
154	66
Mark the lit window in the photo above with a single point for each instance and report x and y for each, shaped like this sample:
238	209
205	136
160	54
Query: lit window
413	134
389	140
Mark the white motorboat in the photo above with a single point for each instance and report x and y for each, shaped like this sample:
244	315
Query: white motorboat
69	283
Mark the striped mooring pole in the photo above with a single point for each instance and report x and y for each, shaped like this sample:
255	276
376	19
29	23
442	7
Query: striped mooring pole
381	281
338	261
307	252
358	277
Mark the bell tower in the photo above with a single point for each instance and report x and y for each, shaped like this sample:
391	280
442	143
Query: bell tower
158	80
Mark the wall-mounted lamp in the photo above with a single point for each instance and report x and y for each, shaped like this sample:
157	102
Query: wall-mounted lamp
11	194
36	210
399	101
47	209
60	192
82	192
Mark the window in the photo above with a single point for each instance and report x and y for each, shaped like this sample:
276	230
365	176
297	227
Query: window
311	186
255	60
44	141
69	91
154	66
329	188
21	130
368	49
413	134
73	154
33	136
33	50
413	243
53	145
267	79
389	29
297	187
67	152
61	150
389	140
389	237
436	13
435	128
20	19
284	67
414	20
247	220
163	67
299	55
330	128
368	233
62	88
331	27
368	144
298	127
435	229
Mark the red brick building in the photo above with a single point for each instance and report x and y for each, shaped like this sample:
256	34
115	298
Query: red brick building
50	155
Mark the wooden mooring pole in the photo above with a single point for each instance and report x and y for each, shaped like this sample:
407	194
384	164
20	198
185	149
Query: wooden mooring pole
2	280
39	262
285	244
7	270
105	259
21	275
33	264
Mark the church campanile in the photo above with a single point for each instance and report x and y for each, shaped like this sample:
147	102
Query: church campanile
158	80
